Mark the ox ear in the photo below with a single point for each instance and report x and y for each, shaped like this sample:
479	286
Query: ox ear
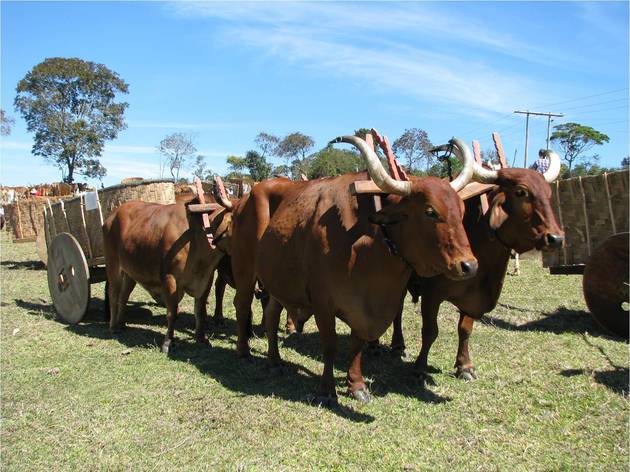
384	217
497	213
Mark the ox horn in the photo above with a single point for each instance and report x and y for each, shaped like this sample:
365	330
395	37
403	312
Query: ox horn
219	193
376	170
553	171
462	152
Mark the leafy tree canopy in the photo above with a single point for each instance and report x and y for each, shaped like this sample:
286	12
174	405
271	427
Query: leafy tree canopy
5	123
331	161
294	146
574	139
70	105
177	148
413	148
267	143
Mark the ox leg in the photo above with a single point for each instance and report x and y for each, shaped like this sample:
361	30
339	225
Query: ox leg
326	394
463	365
201	318
219	292
430	308
169	294
398	340
118	299
272	320
243	306
356	384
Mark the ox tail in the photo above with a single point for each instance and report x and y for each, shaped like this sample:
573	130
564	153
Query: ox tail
107	314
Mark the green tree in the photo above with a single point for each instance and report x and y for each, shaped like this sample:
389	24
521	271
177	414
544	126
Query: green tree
6	122
625	162
295	146
236	165
331	161
70	106
574	139
177	148
267	143
259	168
200	168
414	147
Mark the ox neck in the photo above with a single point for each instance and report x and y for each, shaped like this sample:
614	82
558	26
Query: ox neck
393	248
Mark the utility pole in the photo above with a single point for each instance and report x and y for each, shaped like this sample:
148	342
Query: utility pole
527	113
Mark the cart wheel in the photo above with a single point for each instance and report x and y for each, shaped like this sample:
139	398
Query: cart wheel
605	284
68	278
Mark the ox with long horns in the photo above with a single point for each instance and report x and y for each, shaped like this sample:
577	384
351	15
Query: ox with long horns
520	218
318	249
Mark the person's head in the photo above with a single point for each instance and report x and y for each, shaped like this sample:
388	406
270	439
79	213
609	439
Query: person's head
542	154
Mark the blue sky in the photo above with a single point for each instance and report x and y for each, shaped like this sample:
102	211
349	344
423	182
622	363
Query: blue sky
226	71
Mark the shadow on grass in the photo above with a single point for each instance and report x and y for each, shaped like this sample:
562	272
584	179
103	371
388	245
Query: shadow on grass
561	321
23	265
616	379
390	374
251	377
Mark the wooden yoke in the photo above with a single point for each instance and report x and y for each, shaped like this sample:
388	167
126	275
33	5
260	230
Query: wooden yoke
477	154
204	208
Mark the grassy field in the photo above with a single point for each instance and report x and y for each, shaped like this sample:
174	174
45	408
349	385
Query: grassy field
552	392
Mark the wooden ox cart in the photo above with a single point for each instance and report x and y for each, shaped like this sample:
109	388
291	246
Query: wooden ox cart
594	213
74	240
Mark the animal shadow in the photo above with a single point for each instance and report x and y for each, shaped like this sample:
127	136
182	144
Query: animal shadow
23	265
563	320
616	379
390	374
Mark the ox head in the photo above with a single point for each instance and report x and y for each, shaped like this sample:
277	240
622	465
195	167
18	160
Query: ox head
424	217
520	212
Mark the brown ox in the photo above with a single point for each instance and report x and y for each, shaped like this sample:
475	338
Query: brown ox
519	217
318	249
164	249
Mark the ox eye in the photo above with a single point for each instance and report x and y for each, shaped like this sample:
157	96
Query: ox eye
431	213
520	192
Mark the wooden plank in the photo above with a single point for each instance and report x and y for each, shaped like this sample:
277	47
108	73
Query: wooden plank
477	154
364	186
589	249
498	145
30	239
203	207
84	228
609	201
473	189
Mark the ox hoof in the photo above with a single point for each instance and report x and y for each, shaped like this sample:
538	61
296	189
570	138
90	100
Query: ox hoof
204	341
167	345
466	374
326	401
362	395
398	352
277	369
374	348
425	378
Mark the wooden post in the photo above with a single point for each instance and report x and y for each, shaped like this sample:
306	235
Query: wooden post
498	145
85	231
586	223
19	218
484	197
610	208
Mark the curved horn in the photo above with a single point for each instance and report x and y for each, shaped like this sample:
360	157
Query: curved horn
376	170
219	193
553	171
462	152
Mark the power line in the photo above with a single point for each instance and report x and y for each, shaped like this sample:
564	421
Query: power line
583	98
535	113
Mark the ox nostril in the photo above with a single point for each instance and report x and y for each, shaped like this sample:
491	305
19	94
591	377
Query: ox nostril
469	268
554	239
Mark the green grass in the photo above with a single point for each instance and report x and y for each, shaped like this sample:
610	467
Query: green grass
552	392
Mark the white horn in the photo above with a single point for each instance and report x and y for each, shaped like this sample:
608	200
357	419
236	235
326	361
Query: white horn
376	170
553	171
